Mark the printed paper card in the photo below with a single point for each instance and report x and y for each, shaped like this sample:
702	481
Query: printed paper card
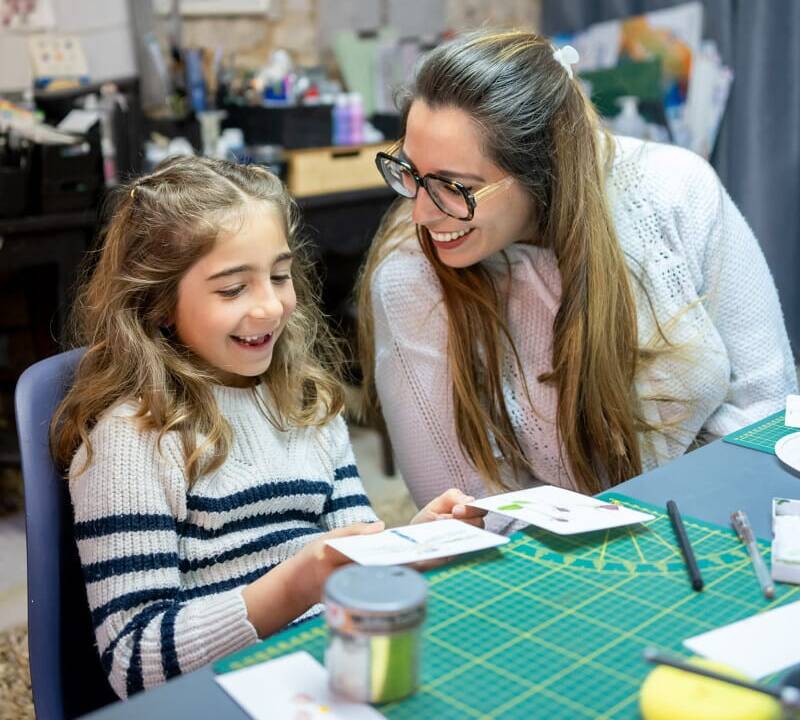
561	511
792	415
415	543
757	646
294	687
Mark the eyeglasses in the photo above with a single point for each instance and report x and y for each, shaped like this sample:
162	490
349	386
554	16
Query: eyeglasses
451	197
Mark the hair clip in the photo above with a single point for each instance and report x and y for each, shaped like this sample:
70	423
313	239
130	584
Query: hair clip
133	193
566	56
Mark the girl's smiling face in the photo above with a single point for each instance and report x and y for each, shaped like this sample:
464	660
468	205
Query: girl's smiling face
445	141
234	302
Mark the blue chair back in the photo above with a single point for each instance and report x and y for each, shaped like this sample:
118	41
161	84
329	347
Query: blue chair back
66	676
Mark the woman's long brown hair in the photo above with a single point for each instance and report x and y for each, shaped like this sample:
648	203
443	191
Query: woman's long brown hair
536	124
162	224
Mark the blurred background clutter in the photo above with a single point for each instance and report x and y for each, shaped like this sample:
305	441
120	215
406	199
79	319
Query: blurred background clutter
93	92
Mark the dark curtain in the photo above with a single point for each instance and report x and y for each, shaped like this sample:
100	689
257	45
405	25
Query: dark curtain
757	154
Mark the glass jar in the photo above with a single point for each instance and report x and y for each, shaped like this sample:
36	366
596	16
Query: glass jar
374	616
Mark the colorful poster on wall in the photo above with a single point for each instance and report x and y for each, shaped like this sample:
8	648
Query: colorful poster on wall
654	76
21	15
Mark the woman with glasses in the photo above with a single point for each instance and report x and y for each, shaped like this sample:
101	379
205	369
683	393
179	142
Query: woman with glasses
546	303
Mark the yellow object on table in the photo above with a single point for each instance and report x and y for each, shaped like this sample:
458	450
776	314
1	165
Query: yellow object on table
671	694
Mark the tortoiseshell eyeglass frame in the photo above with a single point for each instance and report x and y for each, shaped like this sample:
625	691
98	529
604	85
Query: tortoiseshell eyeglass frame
470	198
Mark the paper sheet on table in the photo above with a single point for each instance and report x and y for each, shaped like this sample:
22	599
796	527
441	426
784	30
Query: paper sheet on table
561	511
757	646
792	415
415	543
292	686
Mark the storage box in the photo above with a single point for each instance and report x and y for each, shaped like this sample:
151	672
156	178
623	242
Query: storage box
15	178
320	171
786	540
69	177
291	126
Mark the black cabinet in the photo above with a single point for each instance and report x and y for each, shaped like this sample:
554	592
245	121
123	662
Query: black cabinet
340	228
40	259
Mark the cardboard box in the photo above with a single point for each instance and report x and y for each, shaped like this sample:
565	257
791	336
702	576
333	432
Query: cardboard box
786	540
320	171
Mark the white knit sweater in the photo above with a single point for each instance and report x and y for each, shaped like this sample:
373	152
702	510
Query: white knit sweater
706	277
165	566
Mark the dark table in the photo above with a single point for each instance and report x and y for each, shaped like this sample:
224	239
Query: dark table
708	484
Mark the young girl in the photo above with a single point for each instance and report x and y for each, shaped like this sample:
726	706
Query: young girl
548	303
208	461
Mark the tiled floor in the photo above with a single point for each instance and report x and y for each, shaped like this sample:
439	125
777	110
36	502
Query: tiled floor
388	495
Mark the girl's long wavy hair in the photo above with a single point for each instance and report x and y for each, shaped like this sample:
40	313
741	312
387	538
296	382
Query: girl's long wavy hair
537	124
161	225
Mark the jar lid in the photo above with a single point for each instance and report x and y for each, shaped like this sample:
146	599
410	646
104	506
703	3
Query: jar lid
374	590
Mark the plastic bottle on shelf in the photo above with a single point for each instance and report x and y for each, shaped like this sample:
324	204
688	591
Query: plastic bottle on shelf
210	121
104	108
356	113
28	101
230	145
629	121
195	80
341	120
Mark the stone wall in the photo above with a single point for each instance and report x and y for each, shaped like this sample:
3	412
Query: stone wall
468	14
293	25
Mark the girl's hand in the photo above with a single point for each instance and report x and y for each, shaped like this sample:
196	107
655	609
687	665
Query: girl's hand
294	585
451	504
317	560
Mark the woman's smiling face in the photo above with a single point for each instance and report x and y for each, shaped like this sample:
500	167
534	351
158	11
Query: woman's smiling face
445	141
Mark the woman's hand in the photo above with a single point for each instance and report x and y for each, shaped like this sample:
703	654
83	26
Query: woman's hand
451	504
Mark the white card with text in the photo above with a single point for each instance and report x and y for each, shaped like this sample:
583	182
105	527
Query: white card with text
792	416
757	646
561	511
415	543
294	687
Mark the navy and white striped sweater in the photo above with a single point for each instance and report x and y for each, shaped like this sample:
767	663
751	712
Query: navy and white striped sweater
165	566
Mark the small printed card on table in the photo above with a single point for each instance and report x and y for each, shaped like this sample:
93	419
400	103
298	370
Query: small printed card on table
415	543
561	511
294	687
792	415
760	645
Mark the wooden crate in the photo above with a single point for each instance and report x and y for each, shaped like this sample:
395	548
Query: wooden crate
319	171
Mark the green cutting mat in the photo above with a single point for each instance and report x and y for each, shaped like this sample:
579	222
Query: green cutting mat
554	626
762	435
